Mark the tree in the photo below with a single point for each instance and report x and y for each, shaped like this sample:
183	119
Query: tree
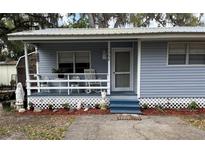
166	19
184	19
101	20
13	22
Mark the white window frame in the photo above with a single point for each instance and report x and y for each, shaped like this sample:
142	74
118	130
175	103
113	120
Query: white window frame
187	55
73	51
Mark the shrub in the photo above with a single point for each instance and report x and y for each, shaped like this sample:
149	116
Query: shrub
97	106
193	106
66	106
159	107
31	106
103	106
6	106
50	106
145	106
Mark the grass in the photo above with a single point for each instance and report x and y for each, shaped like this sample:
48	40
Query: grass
196	121
47	127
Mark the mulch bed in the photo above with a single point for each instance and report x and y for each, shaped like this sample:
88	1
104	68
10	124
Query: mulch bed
155	111
67	112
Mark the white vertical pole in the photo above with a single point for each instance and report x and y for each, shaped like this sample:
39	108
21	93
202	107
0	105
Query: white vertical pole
138	67
27	70
68	84
37	68
108	64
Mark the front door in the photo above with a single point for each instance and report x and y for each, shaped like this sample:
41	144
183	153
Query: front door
122	69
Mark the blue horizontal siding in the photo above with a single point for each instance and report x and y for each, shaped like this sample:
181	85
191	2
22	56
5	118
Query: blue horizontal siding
160	80
48	55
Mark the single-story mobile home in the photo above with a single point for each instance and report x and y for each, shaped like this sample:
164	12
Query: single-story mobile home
135	66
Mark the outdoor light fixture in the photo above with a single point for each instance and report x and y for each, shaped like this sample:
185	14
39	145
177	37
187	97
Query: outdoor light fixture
104	55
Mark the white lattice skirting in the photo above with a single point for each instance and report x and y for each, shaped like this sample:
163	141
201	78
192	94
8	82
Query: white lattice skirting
57	101
173	102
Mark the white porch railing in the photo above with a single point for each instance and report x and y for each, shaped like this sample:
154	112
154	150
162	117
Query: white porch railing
64	82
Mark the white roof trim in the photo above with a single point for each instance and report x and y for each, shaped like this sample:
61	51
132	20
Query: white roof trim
108	33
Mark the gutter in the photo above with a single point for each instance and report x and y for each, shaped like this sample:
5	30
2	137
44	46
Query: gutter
107	37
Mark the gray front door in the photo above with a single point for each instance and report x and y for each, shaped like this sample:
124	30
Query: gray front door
122	69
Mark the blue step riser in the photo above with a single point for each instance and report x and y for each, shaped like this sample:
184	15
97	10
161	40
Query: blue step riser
124	102
124	105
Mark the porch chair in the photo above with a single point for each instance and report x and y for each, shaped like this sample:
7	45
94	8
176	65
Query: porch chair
90	75
75	84
44	84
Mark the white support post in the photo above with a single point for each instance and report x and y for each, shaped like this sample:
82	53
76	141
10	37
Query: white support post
138	67
37	68
27	70
108	64
68	84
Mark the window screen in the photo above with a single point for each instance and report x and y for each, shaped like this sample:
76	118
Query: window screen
74	62
177	54
197	53
65	60
82	61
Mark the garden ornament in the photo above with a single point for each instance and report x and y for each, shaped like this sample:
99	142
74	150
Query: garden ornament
103	95
79	105
19	96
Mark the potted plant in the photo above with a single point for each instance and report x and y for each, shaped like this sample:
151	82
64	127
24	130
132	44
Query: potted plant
54	70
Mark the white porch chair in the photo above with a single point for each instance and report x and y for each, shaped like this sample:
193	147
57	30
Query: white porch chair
45	84
75	84
90	75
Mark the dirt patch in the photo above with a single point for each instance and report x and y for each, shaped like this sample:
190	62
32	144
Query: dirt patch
173	112
67	112
42	127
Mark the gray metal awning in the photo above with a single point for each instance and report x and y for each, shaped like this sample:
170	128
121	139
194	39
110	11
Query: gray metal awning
108	33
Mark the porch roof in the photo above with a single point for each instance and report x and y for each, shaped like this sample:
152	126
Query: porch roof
108	33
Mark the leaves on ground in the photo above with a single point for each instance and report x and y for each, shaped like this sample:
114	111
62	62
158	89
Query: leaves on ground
45	127
197	121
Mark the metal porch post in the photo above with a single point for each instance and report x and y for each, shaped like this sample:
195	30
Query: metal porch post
37	68
27	70
109	65
138	67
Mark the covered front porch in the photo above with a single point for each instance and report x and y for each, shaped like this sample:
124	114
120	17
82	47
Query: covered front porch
88	67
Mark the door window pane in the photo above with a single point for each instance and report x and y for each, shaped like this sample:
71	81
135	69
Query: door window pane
122	62
122	80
